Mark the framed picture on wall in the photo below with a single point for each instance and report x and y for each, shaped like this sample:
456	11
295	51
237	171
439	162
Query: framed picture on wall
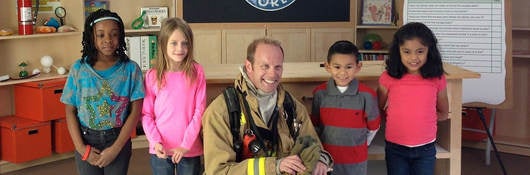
377	12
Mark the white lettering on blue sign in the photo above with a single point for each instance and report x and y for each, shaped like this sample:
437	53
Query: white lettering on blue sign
270	5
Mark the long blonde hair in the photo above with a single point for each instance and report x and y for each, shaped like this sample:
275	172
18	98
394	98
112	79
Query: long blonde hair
169	25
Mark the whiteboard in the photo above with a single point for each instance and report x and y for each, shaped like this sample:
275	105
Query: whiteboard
471	34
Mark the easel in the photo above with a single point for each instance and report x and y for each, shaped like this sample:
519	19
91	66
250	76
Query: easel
489	143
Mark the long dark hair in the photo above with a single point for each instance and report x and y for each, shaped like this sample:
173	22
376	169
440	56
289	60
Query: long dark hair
89	50
432	68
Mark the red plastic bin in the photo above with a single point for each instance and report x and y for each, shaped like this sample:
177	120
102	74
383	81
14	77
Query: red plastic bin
62	142
40	100
24	140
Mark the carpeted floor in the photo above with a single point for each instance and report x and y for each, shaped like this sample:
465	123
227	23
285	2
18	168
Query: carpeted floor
472	164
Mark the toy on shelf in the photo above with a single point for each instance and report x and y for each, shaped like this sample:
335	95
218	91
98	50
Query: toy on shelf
138	23
61	70
4	78
23	72
47	63
35	71
372	41
52	22
66	28
6	31
46	29
60	12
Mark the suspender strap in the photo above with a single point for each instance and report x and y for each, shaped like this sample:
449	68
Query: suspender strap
234	111
253	125
290	111
232	100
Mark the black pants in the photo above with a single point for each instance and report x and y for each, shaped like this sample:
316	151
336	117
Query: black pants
101	140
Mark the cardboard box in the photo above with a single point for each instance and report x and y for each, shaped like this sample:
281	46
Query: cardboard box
62	142
24	140
40	100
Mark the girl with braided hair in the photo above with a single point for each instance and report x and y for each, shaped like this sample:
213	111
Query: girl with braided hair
103	95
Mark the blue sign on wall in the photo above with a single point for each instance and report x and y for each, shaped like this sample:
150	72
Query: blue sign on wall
208	11
270	5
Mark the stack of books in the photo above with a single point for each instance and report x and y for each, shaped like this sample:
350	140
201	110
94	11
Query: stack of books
142	50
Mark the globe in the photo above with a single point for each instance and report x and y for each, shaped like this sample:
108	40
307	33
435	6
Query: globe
46	62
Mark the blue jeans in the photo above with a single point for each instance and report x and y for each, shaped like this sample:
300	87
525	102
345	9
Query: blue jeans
186	166
101	140
402	160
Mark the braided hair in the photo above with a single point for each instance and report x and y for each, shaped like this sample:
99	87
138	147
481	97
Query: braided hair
89	50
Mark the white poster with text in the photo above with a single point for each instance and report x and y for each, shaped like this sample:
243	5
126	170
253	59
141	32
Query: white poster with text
471	35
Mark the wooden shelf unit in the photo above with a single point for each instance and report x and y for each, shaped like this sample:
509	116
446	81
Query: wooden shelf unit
521	37
63	47
42	76
512	125
39	35
521	54
374	51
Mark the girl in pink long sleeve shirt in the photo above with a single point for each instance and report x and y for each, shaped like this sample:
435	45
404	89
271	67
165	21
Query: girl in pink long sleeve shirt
174	103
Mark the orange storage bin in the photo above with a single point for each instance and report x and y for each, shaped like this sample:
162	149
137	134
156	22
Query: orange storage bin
24	140
40	100
62	142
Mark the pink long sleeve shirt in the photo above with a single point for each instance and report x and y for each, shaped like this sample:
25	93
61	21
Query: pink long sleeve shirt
172	115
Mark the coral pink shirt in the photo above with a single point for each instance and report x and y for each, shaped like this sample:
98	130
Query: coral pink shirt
411	114
172	115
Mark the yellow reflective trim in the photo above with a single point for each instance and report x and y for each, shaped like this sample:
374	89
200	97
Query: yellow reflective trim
250	167
243	119
262	165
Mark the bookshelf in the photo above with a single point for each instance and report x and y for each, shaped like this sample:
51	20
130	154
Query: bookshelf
385	32
508	139
521	47
63	47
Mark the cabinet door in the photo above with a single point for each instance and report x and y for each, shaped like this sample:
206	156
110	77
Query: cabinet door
207	46
235	42
295	43
322	38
